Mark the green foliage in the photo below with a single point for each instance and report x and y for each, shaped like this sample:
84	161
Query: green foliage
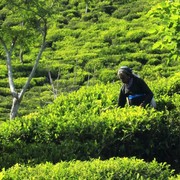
94	47
86	49
85	124
168	13
114	168
107	75
17	23
4	91
136	35
35	81
131	10
3	71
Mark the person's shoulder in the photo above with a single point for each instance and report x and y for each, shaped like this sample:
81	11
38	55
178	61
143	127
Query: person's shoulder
123	87
137	79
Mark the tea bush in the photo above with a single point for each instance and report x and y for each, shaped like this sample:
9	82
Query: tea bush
107	75
19	82
74	39
87	49
3	72
85	124
4	82
4	91
114	168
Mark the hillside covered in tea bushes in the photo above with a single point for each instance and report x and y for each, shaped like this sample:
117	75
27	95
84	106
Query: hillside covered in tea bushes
86	125
85	48
68	121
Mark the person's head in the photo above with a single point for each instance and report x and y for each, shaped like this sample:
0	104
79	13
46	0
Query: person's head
125	74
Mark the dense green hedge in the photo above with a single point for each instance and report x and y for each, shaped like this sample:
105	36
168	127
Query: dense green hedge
86	124
115	168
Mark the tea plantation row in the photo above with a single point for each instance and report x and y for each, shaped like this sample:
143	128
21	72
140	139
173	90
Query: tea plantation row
86	124
114	168
87	48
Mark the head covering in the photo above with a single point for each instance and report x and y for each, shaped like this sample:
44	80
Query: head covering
126	70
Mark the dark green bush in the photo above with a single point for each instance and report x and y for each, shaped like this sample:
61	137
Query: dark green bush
19	82
132	16
136	35
26	68
121	12
91	16
154	61
138	56
4	83
3	72
4	91
4	116
5	103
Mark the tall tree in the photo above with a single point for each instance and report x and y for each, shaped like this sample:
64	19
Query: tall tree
22	22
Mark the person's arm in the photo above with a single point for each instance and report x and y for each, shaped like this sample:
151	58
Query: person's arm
121	99
147	91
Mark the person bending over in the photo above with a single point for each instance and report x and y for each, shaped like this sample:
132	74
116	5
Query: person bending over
134	90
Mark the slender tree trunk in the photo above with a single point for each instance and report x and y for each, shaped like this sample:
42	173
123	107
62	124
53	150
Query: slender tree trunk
21	56
52	84
14	108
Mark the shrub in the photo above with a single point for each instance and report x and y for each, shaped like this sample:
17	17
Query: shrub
136	35
4	82
138	56
19	82
3	73
5	101
132	16
121	12
107	75
91	16
85	124
4	91
114	168
94	65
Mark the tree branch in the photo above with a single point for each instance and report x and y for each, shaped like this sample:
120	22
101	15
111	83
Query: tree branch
44	33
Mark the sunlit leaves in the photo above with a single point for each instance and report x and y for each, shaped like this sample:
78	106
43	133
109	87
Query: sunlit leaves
23	19
113	168
168	12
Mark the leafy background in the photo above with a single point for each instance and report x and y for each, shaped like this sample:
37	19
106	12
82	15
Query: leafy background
83	53
88	48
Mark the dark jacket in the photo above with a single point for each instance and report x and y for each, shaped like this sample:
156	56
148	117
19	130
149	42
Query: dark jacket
139	88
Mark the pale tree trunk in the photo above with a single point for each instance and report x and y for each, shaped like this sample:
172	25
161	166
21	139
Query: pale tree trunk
52	84
21	56
15	106
54	89
16	102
